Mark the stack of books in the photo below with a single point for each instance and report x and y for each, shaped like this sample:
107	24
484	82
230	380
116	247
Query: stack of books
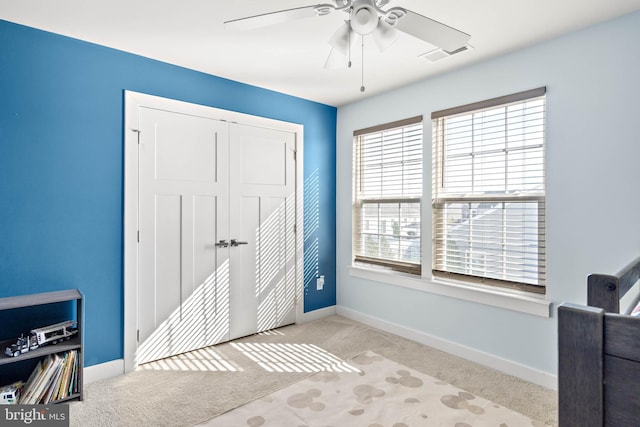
54	378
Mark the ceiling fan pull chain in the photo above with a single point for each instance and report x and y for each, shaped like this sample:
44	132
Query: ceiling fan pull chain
362	73
349	44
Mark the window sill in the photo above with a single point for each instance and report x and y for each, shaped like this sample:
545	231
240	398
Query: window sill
519	301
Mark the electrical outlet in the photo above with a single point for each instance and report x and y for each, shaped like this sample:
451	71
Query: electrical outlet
320	283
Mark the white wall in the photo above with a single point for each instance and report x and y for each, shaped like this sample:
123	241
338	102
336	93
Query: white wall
593	170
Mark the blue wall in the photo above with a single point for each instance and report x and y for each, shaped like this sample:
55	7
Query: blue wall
61	169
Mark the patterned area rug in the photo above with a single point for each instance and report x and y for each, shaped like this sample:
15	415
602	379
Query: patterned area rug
383	394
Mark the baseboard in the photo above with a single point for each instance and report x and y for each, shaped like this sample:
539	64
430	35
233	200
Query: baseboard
320	313
524	372
103	371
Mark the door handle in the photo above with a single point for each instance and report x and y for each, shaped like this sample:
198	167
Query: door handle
222	244
234	242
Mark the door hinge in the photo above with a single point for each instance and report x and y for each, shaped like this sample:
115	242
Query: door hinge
138	236
295	154
295	228
138	335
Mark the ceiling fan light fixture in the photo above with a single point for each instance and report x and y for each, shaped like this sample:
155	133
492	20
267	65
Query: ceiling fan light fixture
364	17
384	35
340	39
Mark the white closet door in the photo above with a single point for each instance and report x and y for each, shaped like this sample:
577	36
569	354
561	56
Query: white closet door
183	286
262	221
203	181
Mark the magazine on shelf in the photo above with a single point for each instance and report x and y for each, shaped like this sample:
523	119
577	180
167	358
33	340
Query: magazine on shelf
33	394
50	386
54	378
28	387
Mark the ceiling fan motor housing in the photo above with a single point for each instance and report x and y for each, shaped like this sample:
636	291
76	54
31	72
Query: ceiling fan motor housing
364	17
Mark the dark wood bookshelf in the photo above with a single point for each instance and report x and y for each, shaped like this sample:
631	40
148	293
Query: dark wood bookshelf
74	343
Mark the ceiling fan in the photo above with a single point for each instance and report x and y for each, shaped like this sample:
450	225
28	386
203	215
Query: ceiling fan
365	17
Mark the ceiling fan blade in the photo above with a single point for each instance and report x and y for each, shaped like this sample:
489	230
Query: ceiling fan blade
335	60
273	18
431	31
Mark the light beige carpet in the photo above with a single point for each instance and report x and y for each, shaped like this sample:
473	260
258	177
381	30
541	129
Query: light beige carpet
178	392
370	391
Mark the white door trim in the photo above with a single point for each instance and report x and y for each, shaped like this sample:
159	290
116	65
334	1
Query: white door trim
133	100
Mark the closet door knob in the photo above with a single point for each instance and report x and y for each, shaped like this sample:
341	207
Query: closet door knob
234	242
222	244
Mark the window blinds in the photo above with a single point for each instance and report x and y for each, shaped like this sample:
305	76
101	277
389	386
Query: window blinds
489	191
387	192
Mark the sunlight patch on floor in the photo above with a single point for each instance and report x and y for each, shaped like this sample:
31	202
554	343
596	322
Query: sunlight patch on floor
272	332
277	357
202	360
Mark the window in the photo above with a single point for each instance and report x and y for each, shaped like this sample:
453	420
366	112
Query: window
489	192
387	193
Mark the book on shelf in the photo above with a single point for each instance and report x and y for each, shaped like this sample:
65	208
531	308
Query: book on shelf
62	388
73	386
34	389
50	385
51	380
30	384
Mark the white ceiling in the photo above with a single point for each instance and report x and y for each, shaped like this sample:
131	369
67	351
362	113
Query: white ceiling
290	57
